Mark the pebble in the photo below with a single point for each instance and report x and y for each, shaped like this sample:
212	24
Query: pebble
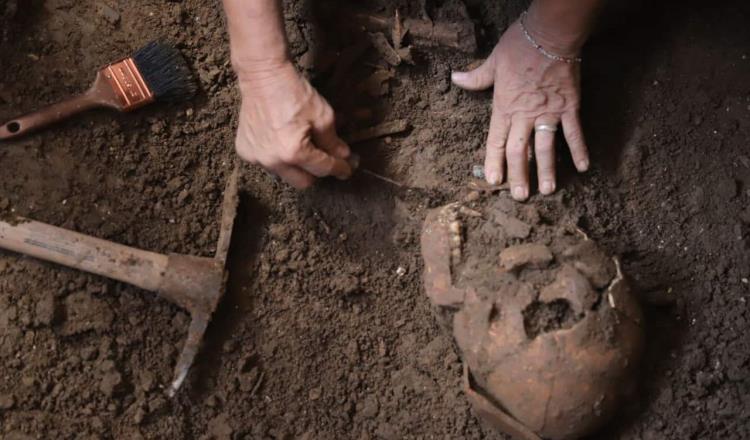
157	405
229	346
7	401
109	13
110	383
182	196
473	196
315	393
477	171
147	381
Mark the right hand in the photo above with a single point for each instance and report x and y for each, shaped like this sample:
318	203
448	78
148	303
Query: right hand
288	128
530	89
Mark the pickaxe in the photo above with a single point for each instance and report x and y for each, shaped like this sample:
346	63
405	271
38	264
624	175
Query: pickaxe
196	284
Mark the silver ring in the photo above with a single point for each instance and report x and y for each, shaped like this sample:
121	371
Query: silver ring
546	127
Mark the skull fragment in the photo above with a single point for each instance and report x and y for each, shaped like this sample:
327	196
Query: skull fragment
549	332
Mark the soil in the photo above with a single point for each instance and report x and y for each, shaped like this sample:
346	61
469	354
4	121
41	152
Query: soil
325	331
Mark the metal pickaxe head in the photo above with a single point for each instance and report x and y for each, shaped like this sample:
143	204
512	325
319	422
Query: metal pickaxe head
197	284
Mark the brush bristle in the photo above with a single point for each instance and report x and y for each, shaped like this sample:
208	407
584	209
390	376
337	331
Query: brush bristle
165	71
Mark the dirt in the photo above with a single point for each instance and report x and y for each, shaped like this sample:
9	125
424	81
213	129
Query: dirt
325	331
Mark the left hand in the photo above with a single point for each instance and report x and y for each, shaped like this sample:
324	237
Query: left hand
530	89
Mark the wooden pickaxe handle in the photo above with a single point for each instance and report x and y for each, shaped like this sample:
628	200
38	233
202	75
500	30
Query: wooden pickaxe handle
133	266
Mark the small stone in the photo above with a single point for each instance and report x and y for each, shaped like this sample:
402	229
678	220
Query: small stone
157	405
182	196
139	416
229	346
477	171
157	127
473	196
368	409
315	393
28	381
107	365
44	312
175	183
212	401
7	401
221	427
89	353
147	381
111	383
109	13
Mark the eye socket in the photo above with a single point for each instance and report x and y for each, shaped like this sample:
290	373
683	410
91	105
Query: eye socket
13	127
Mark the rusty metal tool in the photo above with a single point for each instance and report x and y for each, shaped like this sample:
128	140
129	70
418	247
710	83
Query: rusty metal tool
196	284
156	72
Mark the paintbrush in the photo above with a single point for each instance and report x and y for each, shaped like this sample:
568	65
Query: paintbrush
156	72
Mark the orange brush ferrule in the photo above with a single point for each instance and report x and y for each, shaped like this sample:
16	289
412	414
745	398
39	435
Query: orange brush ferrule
128	84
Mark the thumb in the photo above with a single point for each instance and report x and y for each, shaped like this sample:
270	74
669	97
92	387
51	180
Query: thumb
480	78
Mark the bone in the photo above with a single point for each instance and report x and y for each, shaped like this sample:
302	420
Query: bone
525	255
533	330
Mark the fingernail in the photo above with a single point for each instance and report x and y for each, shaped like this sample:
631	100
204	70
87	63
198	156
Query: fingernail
547	187
492	177
583	165
457	76
520	193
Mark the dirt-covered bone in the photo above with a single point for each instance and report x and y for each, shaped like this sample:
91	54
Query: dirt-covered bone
547	327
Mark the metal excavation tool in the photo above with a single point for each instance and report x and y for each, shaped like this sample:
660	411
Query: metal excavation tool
196	284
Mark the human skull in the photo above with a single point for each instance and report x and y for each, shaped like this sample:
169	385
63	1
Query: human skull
549	332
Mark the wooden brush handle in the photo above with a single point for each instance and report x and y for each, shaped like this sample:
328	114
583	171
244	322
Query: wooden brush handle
48	115
101	94
133	266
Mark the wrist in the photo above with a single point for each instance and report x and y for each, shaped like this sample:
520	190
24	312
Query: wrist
260	69
554	34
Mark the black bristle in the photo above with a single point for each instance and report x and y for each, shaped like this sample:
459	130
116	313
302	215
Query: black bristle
165	71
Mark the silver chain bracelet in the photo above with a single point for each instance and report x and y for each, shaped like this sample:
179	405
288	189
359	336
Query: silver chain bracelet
542	50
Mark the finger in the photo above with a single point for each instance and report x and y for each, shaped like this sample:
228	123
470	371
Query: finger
480	78
544	147
324	137
517	153
292	175
494	162
321	164
571	123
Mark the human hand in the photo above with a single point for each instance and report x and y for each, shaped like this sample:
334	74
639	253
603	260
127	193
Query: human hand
288	128
530	90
